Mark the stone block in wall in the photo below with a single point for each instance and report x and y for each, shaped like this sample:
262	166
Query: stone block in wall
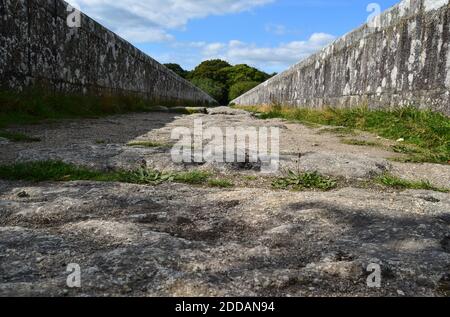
49	5
150	78
136	82
71	53
124	71
436	32
14	66
43	45
97	72
61	9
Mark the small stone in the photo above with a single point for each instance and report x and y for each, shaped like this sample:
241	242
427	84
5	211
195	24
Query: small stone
401	293
23	194
431	199
284	229
4	141
160	109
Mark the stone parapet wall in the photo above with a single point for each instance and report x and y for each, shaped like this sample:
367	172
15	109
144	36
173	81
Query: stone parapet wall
38	46
404	60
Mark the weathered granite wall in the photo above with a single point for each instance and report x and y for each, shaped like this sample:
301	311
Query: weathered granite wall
403	61
36	45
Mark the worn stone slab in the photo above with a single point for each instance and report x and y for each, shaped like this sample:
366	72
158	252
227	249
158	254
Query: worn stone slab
132	240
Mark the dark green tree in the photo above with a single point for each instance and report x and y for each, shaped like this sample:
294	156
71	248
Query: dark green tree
214	88
244	73
221	80
241	88
177	69
211	70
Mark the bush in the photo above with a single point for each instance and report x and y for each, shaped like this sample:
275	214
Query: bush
215	89
225	82
241	88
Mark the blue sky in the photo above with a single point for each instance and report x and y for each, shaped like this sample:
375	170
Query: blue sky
268	34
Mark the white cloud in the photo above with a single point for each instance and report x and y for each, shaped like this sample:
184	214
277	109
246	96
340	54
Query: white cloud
134	18
144	34
269	58
277	29
149	21
213	48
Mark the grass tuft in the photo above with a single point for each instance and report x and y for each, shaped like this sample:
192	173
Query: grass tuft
302	181
398	183
192	177
415	154
18	137
60	171
150	144
38	103
424	129
52	171
359	142
338	130
222	183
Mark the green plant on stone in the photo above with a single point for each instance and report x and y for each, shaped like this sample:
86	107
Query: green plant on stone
41	103
60	171
359	142
415	154
150	144
194	177
302	181
53	171
18	137
222	183
405	149
425	129
338	130
398	183
150	176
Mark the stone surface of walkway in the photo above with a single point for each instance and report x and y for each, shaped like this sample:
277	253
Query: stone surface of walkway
250	240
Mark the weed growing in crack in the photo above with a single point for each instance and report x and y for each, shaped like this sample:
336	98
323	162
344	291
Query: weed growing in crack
60	171
18	137
148	144
427	130
359	142
302	181
221	183
398	183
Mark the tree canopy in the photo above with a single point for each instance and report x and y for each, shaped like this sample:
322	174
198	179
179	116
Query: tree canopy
223	81
177	69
